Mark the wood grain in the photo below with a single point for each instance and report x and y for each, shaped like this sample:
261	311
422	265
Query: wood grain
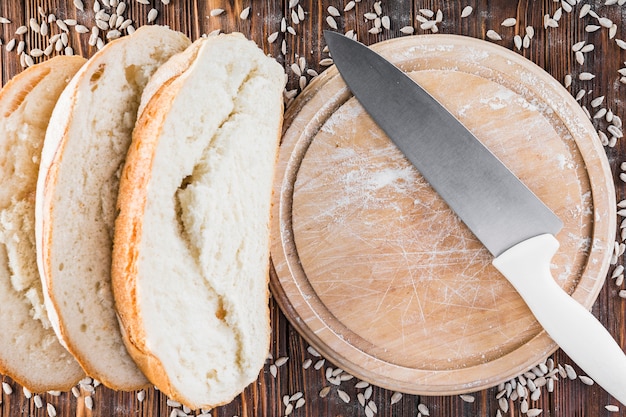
549	49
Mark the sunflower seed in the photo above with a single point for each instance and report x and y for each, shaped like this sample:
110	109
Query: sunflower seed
523	406
566	6
386	22
9	47
281	361
141	395
113	34
597	101
571	373
467	398
349	6
21	30
605	22
101	24
493	35
324	392
377	8
534	412
326	62
407	30
331	22
517	40
428	25
511	21
396	397
38	401
344	396
587	48
568	80
611	408
153	14
272	38
52	412
423	409
467	10
557	14
503	403
578	46
332	10
615	131
591	28
620	43
6	388
244	13
586	76
586	380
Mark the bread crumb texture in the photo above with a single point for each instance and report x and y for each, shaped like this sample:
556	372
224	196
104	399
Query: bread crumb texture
29	350
204	250
94	122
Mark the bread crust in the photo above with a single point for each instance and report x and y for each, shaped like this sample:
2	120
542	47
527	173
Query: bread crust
53	155
44	372
132	202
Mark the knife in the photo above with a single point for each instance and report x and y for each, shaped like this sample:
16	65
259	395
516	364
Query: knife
510	221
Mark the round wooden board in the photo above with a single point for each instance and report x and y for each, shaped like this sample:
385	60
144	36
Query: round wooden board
373	268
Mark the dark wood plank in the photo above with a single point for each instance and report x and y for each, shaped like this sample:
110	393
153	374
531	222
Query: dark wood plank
550	49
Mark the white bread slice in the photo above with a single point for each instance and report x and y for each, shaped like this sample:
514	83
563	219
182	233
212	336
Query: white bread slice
30	352
191	256
84	151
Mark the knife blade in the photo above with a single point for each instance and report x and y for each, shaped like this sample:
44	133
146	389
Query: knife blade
511	222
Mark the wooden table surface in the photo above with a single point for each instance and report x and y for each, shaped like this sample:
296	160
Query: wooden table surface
284	374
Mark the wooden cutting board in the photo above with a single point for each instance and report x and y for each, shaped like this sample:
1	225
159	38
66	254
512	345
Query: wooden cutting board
374	269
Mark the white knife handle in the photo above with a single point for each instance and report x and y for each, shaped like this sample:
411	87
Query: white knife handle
527	266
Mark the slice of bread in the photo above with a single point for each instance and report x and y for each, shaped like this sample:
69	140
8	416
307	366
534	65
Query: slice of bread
191	256
82	158
30	352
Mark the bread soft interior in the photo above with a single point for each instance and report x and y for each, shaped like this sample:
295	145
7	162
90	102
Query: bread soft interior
202	267
86	147
29	350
